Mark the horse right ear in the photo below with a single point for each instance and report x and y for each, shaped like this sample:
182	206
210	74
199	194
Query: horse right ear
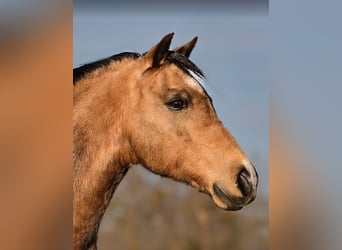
160	51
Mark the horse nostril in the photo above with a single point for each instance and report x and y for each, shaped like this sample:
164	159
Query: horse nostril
243	182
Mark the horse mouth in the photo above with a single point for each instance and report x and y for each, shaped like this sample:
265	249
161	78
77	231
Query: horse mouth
225	201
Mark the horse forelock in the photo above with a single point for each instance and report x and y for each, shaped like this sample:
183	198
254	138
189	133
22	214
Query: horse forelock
190	69
184	63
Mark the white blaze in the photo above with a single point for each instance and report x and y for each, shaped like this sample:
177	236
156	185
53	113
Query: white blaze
199	82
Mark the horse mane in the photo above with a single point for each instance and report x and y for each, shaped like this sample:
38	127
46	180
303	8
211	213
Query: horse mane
80	72
176	58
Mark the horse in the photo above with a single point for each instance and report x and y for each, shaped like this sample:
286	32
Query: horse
152	110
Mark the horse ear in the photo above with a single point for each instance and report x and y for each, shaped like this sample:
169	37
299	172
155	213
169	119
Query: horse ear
187	48
159	51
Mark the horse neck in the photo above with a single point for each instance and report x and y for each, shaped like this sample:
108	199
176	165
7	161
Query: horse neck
101	151
99	115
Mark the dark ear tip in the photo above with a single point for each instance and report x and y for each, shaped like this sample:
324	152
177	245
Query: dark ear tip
166	40
194	40
169	36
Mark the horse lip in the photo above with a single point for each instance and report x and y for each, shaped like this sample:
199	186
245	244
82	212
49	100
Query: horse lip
231	204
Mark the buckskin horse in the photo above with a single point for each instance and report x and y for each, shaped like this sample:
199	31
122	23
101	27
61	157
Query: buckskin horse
150	109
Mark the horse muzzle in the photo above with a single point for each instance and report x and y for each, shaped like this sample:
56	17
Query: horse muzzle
246	182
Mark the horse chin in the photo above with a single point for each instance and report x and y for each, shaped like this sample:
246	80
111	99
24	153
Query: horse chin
223	200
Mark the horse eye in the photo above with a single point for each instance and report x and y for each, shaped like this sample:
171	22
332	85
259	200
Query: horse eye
177	104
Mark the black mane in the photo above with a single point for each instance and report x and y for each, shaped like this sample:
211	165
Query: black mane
178	59
80	72
184	63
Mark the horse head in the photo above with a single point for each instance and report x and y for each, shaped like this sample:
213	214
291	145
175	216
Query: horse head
174	130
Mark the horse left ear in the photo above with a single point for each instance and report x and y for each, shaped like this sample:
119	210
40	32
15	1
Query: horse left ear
187	48
159	51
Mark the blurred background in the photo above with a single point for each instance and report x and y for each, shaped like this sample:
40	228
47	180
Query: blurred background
305	76
148	212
